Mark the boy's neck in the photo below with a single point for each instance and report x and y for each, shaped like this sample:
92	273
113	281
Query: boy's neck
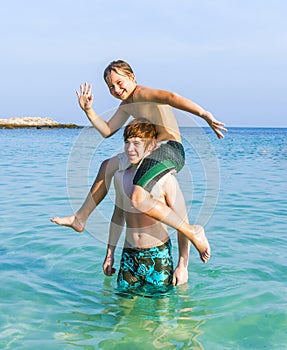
130	99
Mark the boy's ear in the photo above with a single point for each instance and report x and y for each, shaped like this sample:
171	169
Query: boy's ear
152	145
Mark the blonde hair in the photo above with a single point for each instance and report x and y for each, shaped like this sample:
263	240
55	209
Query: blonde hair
120	67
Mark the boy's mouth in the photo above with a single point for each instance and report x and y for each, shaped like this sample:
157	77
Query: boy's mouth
123	95
120	94
132	157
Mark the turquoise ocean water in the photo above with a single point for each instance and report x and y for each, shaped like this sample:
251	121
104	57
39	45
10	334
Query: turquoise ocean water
53	293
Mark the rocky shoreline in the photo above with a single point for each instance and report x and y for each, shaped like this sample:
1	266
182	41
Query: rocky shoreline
34	122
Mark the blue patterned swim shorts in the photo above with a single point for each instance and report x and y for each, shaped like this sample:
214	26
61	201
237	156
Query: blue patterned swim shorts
145	267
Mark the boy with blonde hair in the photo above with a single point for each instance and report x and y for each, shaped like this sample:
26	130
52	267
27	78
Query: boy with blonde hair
155	105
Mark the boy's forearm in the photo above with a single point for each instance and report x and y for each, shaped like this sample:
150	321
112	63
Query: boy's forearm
110	250
195	109
183	249
116	228
98	122
112	243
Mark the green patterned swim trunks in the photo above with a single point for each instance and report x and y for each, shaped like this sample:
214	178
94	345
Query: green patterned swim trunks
168	156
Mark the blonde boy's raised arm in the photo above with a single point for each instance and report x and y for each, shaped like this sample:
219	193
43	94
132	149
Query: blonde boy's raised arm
86	98
177	101
107	129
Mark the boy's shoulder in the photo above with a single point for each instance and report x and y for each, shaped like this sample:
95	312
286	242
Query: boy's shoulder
124	162
142	93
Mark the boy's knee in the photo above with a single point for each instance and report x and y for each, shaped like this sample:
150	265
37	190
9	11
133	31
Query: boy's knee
137	198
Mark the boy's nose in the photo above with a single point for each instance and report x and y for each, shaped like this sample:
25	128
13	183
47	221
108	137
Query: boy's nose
130	147
117	89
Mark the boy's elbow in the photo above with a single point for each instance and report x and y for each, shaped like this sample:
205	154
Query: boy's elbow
109	133
106	136
105	130
171	98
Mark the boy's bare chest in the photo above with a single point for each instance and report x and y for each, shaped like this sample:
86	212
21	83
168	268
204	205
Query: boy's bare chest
160	115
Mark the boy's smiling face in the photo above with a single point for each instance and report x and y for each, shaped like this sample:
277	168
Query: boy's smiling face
136	149
120	86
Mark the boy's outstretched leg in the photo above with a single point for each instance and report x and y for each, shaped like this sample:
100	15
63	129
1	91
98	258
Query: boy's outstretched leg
100	187
78	220
145	203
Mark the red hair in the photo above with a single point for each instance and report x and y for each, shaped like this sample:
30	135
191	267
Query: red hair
141	128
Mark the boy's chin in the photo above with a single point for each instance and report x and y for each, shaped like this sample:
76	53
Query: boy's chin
134	162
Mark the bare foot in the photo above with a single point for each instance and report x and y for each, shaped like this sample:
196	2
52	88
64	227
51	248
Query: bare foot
200	242
70	221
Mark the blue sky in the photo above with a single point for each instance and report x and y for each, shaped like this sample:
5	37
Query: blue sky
228	56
